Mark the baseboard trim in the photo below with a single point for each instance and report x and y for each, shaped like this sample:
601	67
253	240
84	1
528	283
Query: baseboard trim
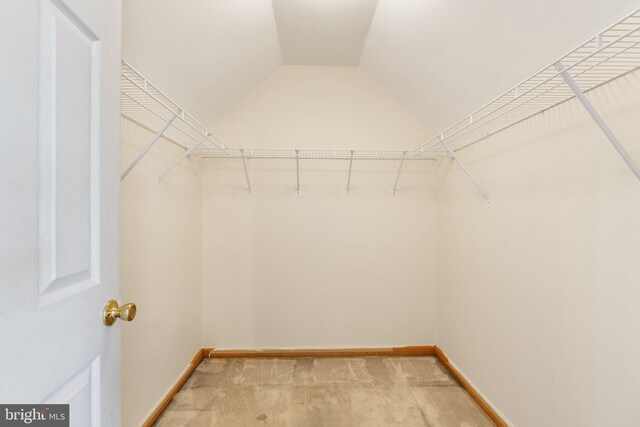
426	350
475	395
176	388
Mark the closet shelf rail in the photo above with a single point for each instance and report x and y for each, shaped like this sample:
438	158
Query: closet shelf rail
313	154
610	54
147	106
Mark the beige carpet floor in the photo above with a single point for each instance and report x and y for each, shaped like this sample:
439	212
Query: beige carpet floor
332	392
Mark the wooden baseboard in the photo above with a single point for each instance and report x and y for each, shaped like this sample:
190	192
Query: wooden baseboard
176	388
427	350
472	392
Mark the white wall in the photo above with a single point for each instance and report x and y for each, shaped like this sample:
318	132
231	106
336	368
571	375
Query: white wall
319	269
160	261
538	293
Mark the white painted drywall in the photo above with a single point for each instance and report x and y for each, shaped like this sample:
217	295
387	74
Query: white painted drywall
444	58
319	269
538	293
160	262
205	54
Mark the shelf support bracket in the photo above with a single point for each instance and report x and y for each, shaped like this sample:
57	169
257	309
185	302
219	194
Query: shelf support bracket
349	177
395	185
598	119
464	169
181	158
298	171
147	148
246	174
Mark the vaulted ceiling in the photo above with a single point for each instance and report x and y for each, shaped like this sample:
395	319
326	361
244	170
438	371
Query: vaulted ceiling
439	58
323	32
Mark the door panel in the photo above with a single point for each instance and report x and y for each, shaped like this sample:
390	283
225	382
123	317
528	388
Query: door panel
69	93
59	195
82	393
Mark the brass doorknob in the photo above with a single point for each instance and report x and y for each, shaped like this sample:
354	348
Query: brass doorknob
112	312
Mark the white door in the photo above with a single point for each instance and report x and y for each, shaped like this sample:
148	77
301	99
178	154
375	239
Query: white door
59	191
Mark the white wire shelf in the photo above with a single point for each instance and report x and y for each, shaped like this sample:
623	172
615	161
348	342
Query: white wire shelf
609	55
311	154
146	105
